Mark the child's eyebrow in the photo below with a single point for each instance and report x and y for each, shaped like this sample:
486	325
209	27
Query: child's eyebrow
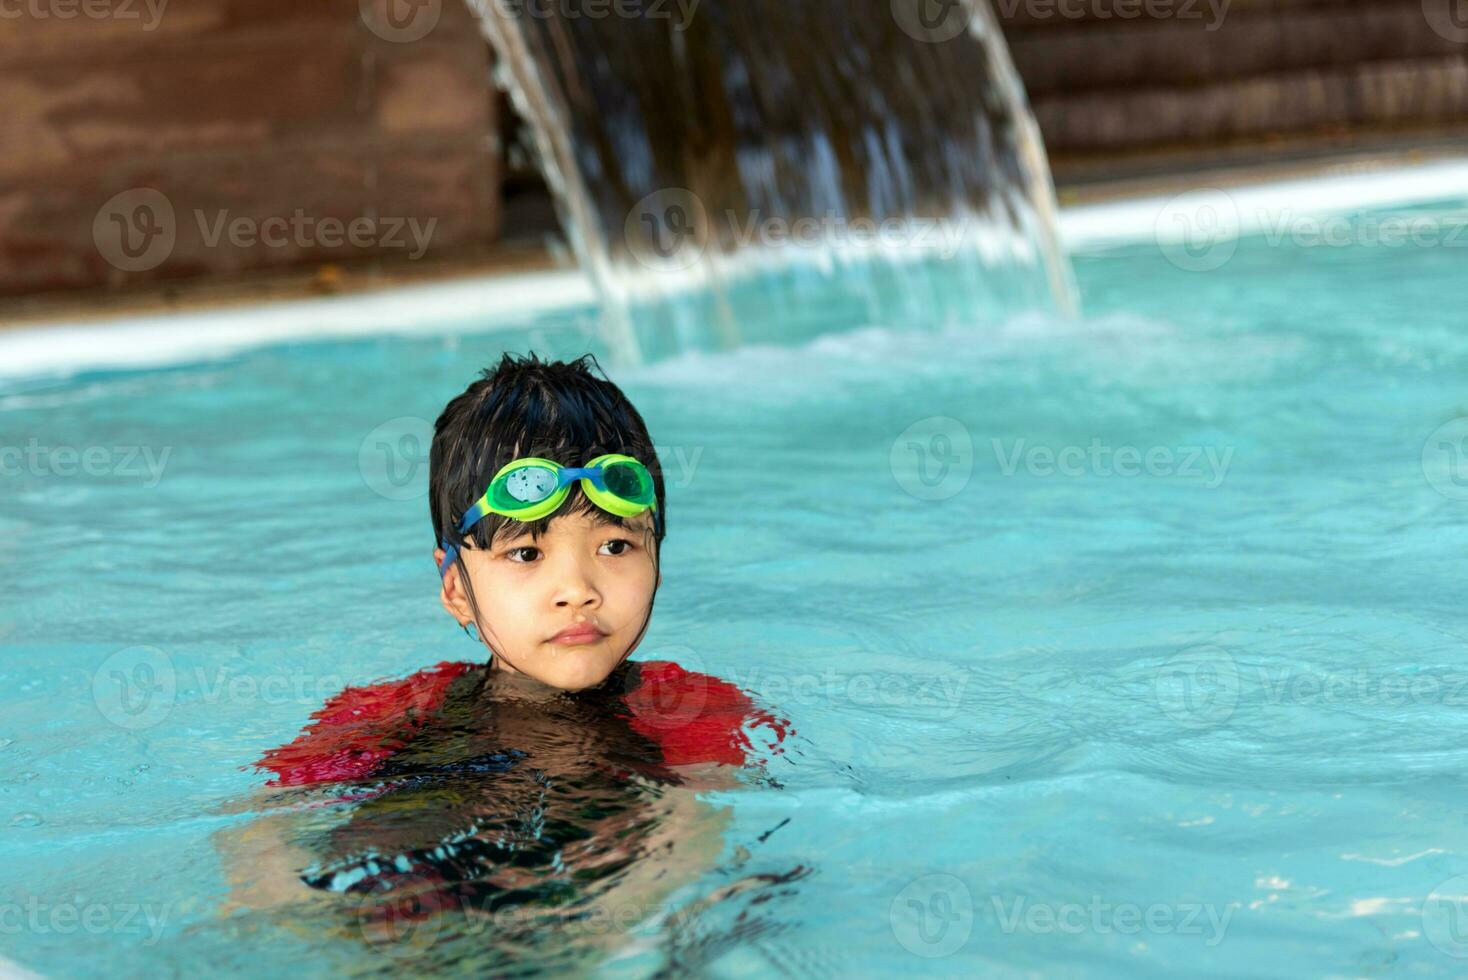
517	532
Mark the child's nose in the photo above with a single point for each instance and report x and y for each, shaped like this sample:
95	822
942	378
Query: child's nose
576	585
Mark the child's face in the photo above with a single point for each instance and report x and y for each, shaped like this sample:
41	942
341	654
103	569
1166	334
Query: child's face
529	590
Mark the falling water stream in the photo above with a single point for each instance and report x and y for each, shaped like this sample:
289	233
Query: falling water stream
723	164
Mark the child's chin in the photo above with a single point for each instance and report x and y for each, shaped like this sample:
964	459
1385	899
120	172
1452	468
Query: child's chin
580	668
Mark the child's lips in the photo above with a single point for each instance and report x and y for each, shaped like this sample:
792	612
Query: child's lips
578	634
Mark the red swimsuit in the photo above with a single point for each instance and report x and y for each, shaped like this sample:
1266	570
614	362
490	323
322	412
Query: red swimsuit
693	718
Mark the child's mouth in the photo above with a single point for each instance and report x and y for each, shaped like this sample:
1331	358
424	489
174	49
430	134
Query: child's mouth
578	635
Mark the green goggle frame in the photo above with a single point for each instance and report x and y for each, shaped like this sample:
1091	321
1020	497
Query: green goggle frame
531	488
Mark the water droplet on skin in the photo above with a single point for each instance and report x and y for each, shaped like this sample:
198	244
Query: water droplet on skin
26	820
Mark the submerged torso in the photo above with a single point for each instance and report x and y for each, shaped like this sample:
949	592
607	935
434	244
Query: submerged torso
449	783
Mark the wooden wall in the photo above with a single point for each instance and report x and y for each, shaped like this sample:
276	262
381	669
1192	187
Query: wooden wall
1212	73
237	109
126	138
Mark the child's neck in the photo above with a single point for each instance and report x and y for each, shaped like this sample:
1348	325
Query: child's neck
502	680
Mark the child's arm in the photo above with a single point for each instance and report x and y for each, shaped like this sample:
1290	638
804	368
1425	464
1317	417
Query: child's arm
686	843
707	777
260	866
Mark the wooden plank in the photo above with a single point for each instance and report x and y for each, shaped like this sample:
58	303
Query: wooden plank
1123	55
1018	17
240	95
49	237
86	31
1371	95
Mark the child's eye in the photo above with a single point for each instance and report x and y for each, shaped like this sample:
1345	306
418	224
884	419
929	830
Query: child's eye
528	555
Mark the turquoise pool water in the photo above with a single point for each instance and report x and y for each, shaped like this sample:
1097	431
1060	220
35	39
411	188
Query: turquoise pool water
1131	646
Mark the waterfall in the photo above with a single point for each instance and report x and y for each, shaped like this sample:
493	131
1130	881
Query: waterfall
738	171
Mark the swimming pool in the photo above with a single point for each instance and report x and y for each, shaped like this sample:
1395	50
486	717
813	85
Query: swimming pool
1129	646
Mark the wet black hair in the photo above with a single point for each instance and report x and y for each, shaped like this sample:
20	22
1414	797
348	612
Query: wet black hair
566	411
524	406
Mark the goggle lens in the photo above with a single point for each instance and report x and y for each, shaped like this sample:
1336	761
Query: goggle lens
626	481
531	485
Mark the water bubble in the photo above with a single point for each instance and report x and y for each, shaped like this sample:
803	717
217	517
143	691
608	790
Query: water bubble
6	743
26	820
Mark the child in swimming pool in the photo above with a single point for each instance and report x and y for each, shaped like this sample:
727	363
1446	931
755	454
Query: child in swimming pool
554	567
494	783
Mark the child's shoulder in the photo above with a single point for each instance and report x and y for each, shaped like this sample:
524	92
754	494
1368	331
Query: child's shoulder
359	727
695	717
422	691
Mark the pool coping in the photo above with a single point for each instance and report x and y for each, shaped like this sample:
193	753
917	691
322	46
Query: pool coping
175	322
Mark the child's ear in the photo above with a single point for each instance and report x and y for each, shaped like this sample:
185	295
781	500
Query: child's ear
451	593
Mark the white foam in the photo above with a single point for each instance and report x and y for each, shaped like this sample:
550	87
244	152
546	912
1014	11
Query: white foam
466	305
1258	207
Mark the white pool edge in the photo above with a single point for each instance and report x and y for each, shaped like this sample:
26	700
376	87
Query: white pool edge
10	970
154	340
476	304
1246	209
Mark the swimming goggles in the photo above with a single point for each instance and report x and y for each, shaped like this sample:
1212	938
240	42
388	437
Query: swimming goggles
531	488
